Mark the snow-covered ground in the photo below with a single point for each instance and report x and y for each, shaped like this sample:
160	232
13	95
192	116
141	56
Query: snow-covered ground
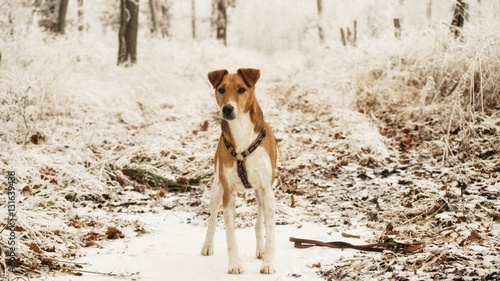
350	161
170	251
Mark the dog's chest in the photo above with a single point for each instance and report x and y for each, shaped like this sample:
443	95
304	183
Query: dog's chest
258	169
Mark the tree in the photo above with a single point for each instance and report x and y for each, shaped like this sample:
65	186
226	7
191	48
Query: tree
458	18
80	15
61	20
429	10
219	19
319	4
193	18
160	16
127	35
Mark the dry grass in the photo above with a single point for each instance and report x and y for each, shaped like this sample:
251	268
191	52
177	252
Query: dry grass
443	100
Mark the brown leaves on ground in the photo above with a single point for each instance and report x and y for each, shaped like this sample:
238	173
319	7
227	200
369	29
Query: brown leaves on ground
113	233
474	237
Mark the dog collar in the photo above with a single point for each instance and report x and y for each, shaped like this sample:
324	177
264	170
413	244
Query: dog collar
239	157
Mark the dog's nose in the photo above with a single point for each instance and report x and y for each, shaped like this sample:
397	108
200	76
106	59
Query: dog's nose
227	111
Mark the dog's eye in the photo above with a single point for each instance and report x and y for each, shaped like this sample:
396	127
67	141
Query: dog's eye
222	91
241	90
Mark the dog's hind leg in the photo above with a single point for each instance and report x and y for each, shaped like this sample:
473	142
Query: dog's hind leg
208	246
259	226
268	203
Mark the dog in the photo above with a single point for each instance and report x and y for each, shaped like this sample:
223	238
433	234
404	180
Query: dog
245	159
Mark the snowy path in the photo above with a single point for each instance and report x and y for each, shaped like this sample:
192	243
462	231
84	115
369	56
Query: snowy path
171	252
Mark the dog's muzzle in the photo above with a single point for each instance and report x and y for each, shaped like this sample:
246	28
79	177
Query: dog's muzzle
228	112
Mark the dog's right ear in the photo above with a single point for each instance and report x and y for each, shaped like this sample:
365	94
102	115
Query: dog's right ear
215	77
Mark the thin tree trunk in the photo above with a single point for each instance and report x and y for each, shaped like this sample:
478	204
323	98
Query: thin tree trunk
319	4
154	15
165	20
397	28
429	10
218	22
355	35
127	34
222	21
80	15
193	18
61	21
342	37
458	18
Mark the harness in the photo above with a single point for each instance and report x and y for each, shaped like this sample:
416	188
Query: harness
240	157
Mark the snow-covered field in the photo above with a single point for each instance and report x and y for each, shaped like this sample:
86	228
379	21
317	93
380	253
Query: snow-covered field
368	147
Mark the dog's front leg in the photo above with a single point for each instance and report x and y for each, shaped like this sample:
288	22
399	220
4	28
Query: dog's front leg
259	226
268	204
229	205
208	246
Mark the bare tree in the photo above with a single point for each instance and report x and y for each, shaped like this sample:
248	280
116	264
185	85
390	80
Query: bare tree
319	4
429	10
154	16
349	37
397	28
458	18
61	21
129	24
219	19
80	15
193	18
160	16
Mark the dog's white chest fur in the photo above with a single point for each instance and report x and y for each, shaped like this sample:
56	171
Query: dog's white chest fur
258	168
258	164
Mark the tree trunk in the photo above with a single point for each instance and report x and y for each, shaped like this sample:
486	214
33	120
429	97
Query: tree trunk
458	18
127	36
355	34
61	21
342	37
397	28
193	18
429	10
220	20
154	16
319	4
165	18
80	15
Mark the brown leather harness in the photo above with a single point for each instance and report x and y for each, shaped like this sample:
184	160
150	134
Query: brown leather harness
240	157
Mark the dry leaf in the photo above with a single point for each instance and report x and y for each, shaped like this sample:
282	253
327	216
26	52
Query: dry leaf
114	233
204	126
474	237
34	247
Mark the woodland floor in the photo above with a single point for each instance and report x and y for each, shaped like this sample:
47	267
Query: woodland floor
86	146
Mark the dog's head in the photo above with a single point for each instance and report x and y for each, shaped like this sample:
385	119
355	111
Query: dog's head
234	92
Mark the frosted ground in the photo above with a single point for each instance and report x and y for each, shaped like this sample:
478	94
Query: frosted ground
368	147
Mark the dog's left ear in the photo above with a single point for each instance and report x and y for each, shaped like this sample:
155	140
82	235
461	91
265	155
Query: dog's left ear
215	77
249	75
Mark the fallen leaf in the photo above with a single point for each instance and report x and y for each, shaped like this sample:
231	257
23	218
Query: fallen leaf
34	247
474	237
114	233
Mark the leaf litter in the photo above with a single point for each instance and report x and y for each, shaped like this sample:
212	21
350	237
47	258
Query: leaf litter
352	157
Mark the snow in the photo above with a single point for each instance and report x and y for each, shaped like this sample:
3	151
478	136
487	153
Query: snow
172	248
344	172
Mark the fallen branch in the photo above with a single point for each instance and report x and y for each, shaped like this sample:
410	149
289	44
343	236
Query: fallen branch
156	181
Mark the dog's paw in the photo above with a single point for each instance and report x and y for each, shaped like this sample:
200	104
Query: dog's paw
207	250
235	268
260	254
267	269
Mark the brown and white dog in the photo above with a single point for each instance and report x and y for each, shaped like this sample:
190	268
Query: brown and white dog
245	159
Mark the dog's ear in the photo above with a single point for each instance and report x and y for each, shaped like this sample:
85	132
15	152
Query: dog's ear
249	75
215	77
